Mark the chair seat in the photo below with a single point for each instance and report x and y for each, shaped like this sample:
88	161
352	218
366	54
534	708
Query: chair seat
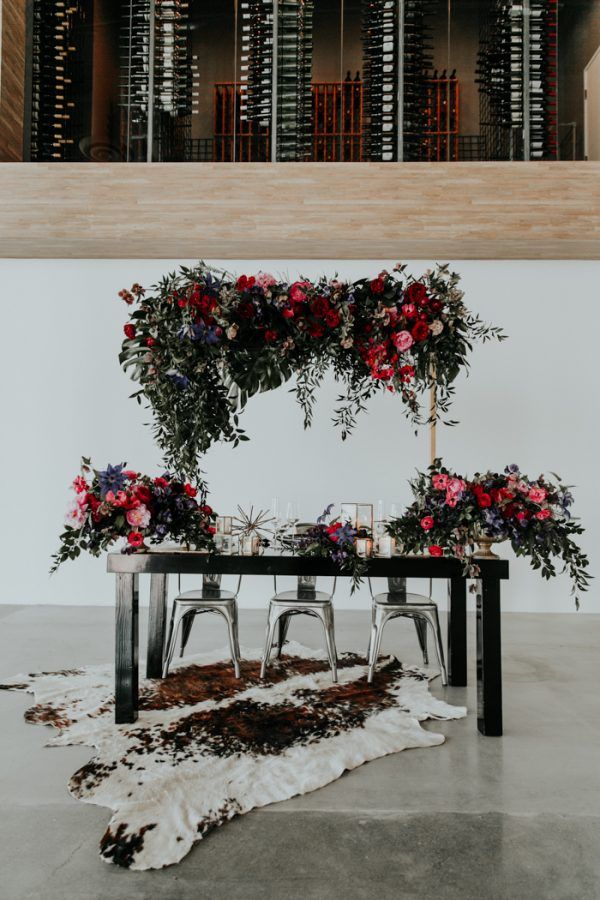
206	595
301	597
391	599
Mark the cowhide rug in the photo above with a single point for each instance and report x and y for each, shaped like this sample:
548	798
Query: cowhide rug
207	747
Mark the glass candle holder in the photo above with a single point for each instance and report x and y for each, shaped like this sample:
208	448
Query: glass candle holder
364	547
360	515
249	545
224	524
385	545
224	544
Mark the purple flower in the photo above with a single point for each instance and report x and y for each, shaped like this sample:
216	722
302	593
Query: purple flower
112	479
181	381
512	469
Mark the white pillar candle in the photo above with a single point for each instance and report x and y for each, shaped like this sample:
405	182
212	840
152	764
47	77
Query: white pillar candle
385	545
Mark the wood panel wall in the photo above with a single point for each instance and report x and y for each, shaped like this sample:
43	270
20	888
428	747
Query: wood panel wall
12	79
311	210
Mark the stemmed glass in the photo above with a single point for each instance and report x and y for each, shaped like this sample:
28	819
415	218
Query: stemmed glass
276	509
291	516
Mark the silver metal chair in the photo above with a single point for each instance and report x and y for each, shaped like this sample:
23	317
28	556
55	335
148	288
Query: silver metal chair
211	598
305	600
397	602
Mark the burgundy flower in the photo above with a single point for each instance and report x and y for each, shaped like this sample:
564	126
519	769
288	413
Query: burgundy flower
377	286
129	330
416	293
420	331
320	306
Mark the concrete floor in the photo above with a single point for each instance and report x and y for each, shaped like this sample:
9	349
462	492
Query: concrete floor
479	818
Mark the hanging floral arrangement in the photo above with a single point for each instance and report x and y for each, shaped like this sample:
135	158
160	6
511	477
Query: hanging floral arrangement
201	342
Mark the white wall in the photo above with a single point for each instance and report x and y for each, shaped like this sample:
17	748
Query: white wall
530	400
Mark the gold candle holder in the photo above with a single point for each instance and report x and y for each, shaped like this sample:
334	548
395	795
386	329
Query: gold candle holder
360	515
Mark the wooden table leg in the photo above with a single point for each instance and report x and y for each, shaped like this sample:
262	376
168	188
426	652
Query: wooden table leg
157	621
457	632
126	649
489	658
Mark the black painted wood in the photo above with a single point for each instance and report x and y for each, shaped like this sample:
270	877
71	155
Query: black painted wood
126	648
489	658
277	564
157	621
457	632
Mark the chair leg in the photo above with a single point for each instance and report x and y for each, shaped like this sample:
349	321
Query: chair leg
376	633
328	625
284	624
372	634
186	629
421	628
434	621
271	625
176	616
229	614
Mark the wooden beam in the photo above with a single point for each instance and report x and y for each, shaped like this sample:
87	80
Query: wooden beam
12	79
306	210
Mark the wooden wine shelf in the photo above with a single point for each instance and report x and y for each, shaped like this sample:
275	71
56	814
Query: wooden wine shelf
301	210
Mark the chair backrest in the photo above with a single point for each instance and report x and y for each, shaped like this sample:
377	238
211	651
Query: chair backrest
211	581
307	585
397	587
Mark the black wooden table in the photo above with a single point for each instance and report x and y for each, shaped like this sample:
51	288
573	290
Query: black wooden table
160	565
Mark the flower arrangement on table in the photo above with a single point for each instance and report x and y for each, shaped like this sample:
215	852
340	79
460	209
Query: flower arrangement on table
120	503
201	342
335	540
451	513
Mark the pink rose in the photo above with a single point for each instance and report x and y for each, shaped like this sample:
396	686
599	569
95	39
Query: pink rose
455	486
537	495
427	523
440	482
265	280
139	517
402	340
451	500
543	514
523	487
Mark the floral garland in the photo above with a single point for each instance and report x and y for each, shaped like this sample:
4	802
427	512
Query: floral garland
335	541
450	513
120	503
201	342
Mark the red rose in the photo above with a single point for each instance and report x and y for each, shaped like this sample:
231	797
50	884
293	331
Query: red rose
143	493
332	318
287	313
135	538
211	529
420	331
206	510
436	550
522	515
416	293
427	523
483	500
244	283
409	310
435	306
270	335
320	306
182	302
190	490
129	330
161	482
377	286
150	342
407	373
316	330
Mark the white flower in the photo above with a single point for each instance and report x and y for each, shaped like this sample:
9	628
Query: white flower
436	327
232	331
347	343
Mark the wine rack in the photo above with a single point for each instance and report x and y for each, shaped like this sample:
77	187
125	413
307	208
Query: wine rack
397	43
159	79
294	40
338	120
60	73
256	66
235	136
517	76
441	137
